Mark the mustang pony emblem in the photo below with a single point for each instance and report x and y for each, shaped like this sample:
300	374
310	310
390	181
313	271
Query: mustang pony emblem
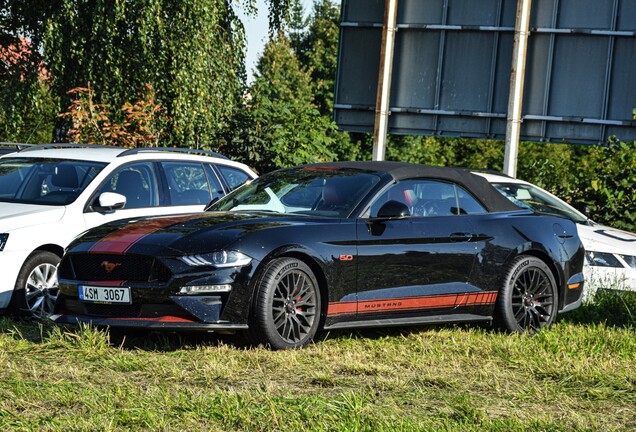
109	266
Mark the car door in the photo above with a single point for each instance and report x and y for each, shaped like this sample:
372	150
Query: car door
419	264
139	184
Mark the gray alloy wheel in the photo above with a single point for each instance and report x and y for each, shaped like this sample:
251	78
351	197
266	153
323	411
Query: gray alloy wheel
528	300
287	309
36	288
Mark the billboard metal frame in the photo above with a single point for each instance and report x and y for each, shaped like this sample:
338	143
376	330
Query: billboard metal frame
422	99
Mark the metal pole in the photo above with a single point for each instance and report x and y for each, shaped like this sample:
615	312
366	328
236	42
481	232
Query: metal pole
383	97
517	79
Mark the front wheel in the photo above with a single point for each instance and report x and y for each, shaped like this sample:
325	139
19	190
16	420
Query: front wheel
528	299
286	312
36	288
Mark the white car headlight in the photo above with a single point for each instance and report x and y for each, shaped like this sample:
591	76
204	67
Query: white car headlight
218	259
602	259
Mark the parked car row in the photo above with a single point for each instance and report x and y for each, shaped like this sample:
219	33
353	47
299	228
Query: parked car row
328	246
288	254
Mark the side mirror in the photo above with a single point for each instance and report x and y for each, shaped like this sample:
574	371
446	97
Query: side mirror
109	201
393	210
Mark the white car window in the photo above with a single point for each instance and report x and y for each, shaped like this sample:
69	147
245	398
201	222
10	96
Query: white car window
137	182
188	183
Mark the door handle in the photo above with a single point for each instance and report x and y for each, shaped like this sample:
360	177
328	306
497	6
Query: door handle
461	236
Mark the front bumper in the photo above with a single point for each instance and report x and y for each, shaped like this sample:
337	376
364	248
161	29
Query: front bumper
10	264
160	305
574	289
166	323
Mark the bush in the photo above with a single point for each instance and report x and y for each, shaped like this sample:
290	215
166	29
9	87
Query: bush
612	307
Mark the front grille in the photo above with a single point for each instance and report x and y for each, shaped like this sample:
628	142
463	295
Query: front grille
103	267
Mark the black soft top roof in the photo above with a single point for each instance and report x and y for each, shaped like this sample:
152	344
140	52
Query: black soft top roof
477	185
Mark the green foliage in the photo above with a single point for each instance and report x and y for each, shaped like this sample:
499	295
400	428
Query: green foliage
612	307
27	106
190	52
317	49
612	196
315	43
444	151
279	125
599	178
94	123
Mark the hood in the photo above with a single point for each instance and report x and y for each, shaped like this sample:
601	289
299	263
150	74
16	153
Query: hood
170	235
15	215
601	238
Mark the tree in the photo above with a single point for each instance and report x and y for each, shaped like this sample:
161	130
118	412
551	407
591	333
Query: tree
279	125
315	42
27	106
191	52
317	50
94	123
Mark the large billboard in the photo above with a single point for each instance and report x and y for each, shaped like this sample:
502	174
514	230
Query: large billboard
452	67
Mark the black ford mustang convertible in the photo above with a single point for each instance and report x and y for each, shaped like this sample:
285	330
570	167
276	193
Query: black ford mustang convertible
326	246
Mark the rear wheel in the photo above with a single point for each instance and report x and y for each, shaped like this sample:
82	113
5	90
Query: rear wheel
36	288
286	312
528	299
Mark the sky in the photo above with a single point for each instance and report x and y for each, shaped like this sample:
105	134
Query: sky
256	30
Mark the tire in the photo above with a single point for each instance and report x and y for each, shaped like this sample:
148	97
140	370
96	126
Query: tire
36	288
286	312
529	298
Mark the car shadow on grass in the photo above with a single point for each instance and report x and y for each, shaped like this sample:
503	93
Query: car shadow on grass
612	308
41	332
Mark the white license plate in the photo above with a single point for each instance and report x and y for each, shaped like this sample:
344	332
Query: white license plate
104	294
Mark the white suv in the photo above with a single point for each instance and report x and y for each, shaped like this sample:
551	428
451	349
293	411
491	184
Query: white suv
51	193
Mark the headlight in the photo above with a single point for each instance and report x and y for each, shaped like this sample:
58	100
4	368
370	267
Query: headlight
602	259
3	241
630	259
218	259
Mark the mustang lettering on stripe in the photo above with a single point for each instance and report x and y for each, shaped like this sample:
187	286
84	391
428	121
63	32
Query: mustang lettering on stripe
413	303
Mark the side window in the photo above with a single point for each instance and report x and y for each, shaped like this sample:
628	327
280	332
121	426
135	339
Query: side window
137	182
434	198
188	183
233	176
468	204
430	198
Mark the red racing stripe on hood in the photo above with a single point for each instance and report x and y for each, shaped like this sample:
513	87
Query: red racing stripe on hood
121	240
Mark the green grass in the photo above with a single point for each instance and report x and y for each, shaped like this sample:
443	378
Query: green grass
578	375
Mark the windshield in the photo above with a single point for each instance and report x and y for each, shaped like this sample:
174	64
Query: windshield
45	181
531	197
317	192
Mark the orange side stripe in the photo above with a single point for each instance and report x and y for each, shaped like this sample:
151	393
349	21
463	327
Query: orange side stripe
166	319
413	303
